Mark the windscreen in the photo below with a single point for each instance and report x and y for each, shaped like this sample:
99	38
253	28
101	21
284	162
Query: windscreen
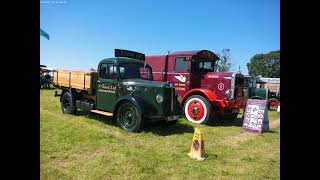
135	70
203	66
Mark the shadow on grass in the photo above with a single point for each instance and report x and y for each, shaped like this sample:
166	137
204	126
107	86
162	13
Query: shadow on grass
225	122
159	128
163	129
105	119
271	132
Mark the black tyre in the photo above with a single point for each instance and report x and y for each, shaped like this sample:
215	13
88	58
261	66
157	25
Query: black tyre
197	109
129	117
68	103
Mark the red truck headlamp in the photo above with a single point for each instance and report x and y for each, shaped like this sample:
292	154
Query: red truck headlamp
228	93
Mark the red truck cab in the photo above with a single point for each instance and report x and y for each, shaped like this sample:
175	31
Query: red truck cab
202	92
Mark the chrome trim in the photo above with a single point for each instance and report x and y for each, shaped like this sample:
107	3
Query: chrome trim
168	73
227	92
233	81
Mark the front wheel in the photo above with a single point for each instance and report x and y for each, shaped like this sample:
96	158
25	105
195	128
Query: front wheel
273	103
129	117
197	109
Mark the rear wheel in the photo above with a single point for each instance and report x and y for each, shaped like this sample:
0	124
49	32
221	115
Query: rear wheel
129	117
68	104
197	109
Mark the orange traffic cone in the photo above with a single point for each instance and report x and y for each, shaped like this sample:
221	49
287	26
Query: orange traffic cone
197	147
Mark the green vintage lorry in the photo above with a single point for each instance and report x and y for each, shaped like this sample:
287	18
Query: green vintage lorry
122	88
257	90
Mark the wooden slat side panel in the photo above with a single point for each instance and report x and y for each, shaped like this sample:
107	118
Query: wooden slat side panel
63	78
77	80
54	77
87	81
73	79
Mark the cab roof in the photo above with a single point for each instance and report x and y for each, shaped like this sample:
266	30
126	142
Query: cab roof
122	60
197	54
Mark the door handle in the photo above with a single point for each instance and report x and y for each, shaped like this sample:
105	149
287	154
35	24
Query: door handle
98	81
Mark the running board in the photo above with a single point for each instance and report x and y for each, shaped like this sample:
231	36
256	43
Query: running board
102	112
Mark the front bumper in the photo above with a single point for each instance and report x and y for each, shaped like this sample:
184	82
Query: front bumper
239	102
231	111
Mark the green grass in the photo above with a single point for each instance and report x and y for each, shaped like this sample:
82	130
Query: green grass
90	146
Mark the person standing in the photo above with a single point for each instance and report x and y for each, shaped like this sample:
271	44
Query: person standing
47	80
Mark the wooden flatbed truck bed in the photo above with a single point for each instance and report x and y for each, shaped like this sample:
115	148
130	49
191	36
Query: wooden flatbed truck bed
74	79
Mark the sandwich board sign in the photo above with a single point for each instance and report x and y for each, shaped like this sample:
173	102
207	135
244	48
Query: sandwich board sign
256	116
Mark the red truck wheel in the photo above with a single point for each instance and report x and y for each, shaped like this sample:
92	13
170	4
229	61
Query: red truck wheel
273	102
197	109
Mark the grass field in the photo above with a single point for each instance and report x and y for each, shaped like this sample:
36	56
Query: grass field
90	146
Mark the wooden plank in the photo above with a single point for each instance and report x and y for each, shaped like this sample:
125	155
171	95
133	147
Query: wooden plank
87	81
102	112
72	79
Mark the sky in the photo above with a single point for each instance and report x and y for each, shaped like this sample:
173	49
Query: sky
83	32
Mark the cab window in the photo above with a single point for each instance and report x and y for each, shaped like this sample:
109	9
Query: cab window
181	64
108	71
207	66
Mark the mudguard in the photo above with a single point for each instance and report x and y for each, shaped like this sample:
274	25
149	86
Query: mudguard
64	91
133	99
210	95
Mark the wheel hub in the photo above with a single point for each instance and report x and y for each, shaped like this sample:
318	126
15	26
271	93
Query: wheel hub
195	111
128	118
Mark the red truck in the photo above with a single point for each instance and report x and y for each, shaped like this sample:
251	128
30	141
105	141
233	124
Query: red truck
203	93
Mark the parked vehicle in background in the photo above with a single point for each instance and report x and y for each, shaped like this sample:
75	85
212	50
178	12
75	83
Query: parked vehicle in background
203	93
122	88
257	90
45	76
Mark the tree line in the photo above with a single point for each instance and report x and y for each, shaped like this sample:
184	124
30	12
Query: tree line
265	65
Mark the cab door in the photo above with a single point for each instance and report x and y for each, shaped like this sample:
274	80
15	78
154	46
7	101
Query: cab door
181	74
107	82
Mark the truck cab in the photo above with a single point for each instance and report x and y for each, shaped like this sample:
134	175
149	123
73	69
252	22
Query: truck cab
201	91
123	88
